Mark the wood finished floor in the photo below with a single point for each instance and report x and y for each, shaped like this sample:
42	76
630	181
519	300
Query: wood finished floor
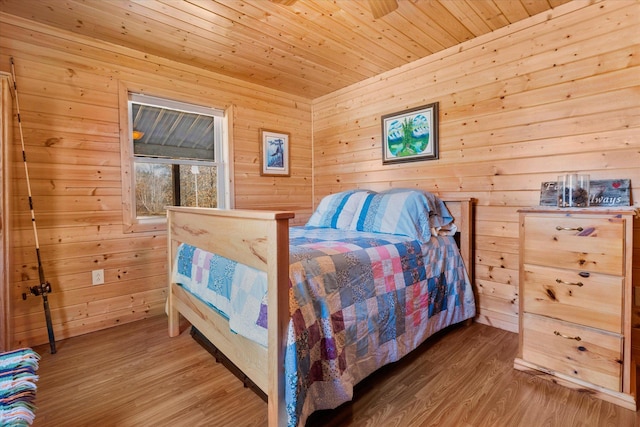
135	375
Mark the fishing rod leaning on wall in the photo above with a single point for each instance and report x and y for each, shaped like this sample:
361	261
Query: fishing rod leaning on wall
44	287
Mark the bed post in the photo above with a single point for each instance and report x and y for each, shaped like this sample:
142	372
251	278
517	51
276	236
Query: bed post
466	237
462	211
278	318
172	311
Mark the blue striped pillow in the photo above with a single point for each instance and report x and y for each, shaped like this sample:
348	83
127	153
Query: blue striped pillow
337	210
401	211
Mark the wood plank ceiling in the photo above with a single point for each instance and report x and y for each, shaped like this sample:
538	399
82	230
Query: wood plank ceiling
305	47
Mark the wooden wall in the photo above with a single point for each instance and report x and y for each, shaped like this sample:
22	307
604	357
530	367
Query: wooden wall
68	95
555	93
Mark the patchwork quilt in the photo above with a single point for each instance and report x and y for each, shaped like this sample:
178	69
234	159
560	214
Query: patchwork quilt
358	301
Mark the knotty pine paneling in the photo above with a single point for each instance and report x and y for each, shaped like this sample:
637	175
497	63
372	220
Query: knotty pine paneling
309	48
519	106
555	93
68	94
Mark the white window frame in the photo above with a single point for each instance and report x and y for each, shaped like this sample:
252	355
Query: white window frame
222	118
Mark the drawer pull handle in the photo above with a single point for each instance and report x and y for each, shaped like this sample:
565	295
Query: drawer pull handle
569	228
579	284
566	336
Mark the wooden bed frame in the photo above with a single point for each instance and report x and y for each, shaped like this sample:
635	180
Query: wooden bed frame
259	239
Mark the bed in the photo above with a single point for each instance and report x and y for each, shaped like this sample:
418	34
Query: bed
329	327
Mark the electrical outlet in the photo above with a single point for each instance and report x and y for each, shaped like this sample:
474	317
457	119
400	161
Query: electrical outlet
97	277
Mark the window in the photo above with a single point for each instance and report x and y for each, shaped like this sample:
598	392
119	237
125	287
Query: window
175	158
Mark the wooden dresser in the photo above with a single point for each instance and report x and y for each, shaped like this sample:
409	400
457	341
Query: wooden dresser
576	299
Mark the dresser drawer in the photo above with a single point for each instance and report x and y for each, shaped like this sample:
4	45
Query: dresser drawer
586	298
590	355
579	242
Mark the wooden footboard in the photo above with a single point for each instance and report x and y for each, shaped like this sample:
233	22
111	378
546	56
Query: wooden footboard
259	239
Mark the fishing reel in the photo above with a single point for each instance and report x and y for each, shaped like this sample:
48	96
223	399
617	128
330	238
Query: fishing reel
41	289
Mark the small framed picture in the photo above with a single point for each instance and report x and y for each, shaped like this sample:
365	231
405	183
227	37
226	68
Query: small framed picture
410	135
275	152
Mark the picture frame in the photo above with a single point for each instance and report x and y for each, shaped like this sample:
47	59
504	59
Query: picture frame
410	135
275	153
602	192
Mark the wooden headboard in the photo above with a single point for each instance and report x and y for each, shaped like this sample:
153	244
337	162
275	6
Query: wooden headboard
462	212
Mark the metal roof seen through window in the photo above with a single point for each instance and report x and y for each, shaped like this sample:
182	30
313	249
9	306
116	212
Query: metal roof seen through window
163	132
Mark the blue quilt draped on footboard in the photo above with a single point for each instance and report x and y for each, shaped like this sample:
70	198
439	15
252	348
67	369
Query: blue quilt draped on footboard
358	301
